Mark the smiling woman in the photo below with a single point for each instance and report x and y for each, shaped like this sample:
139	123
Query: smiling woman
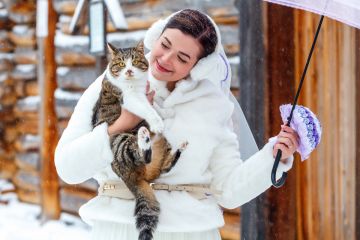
186	54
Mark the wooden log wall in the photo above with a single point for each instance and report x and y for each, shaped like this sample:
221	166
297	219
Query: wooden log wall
325	189
76	68
20	100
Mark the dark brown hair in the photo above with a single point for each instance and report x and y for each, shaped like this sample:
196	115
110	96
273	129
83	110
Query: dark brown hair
197	25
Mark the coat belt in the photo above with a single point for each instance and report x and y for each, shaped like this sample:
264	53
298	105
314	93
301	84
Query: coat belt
120	190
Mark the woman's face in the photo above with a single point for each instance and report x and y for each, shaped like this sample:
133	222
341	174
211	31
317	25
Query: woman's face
174	55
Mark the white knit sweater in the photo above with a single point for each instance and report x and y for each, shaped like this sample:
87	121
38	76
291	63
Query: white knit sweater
201	113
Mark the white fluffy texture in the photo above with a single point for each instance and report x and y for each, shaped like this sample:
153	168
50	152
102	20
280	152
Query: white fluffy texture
134	96
212	157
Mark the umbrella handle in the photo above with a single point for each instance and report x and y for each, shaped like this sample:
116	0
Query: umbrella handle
281	181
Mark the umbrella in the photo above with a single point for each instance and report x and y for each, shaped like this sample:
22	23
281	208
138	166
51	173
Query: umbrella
346	11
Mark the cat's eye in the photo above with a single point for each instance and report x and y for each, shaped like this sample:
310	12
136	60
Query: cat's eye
135	62
121	64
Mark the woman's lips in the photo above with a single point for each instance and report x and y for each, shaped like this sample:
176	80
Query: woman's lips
161	68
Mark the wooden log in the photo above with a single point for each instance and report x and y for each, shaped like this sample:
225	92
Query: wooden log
252	82
29	180
28	161
62	124
28	196
23	12
5	79
26	88
65	6
24	72
89	185
27	143
75	78
10	133
357	144
7	168
231	229
5	65
27	126
6	114
27	104
281	208
65	102
24	55
22	36
8	98
72	198
48	121
74	59
5	45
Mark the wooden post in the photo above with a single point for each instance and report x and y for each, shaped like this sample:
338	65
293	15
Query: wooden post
281	207
48	120
357	111
252	84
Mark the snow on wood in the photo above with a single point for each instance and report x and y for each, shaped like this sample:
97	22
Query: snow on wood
28	161
24	72
27	142
25	55
65	42
65	103
23	35
23	12
66	7
71	199
75	78
27	180
28	104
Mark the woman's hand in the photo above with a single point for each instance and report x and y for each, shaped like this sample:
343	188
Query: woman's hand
128	120
287	142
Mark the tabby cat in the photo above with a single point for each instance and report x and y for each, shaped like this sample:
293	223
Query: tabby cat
139	156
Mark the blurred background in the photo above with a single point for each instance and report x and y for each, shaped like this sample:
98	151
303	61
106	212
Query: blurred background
46	63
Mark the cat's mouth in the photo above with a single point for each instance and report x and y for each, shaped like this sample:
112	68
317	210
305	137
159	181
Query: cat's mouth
161	68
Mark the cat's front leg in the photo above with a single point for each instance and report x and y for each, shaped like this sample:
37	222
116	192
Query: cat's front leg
140	106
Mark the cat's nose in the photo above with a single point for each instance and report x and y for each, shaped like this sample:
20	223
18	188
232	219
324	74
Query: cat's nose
130	73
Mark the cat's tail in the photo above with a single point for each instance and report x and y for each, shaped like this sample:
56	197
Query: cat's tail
147	210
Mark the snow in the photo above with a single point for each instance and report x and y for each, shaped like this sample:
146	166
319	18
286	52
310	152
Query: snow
30	103
65	95
3	13
18	221
62	71
65	40
25	68
22	30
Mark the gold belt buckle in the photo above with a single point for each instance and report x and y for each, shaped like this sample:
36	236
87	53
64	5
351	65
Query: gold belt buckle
108	186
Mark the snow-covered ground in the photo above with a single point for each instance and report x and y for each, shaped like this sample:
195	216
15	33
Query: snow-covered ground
18	221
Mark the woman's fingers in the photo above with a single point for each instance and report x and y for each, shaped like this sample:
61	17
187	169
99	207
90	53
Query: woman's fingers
150	96
289	139
285	151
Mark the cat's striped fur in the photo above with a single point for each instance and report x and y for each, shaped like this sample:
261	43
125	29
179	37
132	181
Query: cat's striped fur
139	156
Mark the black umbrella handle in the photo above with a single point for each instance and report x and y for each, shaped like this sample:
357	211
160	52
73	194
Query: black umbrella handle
281	181
278	155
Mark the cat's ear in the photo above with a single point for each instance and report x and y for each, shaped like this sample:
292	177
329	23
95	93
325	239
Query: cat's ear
140	47
112	49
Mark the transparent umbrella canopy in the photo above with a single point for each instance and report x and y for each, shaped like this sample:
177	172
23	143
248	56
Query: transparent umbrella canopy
346	11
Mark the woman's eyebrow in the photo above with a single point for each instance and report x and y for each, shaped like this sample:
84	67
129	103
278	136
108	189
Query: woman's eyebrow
182	53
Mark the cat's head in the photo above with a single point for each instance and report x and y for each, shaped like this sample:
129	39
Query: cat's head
127	64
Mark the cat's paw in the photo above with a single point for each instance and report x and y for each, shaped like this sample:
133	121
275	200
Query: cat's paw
183	146
144	139
156	125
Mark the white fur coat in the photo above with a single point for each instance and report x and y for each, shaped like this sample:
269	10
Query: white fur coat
198	113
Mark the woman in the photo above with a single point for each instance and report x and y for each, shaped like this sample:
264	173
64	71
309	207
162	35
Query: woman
186	56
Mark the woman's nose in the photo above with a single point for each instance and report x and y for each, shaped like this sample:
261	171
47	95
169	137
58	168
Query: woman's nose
166	58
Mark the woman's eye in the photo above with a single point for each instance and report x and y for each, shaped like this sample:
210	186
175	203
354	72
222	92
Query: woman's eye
182	60
164	46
